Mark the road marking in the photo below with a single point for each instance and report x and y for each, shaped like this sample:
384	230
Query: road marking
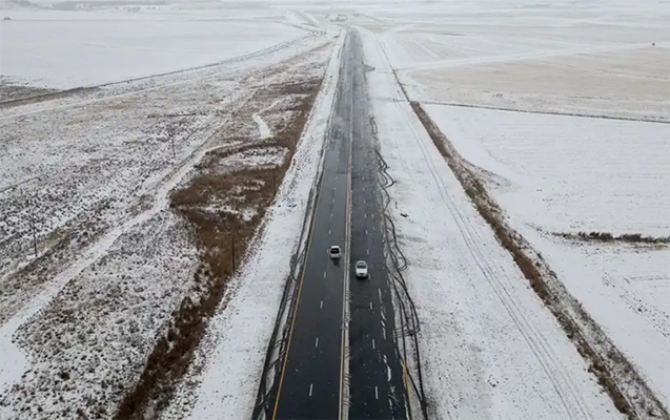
321	305
324	274
366	231
368	251
409	398
373	343
297	303
311	386
366	215
329	231
370	305
365	201
376	393
316	343
331	214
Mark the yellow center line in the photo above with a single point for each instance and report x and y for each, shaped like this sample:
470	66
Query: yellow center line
297	301
409	398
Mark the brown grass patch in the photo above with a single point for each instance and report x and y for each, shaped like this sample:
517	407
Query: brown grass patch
223	238
632	238
17	95
604	366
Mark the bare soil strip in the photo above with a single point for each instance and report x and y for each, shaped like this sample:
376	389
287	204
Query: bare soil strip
630	238
15	96
223	235
627	389
13	92
539	111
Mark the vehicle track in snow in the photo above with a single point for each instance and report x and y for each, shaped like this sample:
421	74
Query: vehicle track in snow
573	402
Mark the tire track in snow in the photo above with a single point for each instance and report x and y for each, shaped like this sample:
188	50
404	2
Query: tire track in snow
572	401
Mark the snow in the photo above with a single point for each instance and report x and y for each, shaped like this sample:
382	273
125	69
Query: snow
569	174
558	174
263	128
93	177
555	174
53	49
490	349
599	59
238	335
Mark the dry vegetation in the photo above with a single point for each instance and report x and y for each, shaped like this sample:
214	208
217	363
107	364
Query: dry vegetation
224	208
609	365
14	94
631	238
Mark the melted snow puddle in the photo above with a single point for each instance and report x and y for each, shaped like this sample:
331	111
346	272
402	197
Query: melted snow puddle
14	361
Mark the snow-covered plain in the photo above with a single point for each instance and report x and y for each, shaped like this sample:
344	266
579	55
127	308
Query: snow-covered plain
491	349
90	176
58	49
550	174
597	58
558	174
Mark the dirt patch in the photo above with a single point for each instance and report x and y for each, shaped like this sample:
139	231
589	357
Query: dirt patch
627	389
11	92
14	94
630	238
223	237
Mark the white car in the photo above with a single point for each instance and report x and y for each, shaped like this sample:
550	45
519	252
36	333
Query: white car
335	252
361	269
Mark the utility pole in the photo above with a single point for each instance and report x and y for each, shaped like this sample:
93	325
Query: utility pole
34	237
232	237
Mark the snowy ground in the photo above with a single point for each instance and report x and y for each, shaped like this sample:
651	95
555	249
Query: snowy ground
46	47
492	350
237	338
558	174
90	176
595	58
551	174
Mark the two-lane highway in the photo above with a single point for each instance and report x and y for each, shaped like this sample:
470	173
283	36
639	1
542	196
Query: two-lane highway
312	382
312	377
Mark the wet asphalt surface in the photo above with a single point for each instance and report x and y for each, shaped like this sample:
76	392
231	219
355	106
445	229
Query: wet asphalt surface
312	379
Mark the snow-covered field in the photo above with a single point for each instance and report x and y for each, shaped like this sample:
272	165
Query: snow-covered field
491	349
59	49
565	175
85	181
238	335
552	175
599	58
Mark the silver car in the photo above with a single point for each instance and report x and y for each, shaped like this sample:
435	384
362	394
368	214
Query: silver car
361	269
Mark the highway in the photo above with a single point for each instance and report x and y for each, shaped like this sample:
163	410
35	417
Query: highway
377	380
313	382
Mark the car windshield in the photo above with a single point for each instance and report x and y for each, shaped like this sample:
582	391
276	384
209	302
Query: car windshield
334	250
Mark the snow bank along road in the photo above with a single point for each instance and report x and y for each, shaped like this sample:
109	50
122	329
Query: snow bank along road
314	382
491	350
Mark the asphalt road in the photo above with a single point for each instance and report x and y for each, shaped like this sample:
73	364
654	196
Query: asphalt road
377	379
312	378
